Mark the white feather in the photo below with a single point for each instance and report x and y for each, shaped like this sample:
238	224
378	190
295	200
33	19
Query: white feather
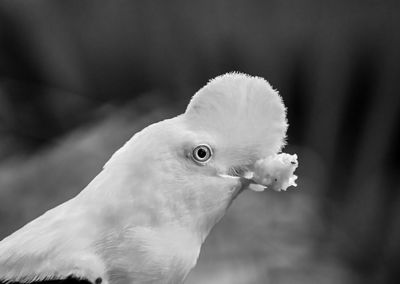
145	216
241	112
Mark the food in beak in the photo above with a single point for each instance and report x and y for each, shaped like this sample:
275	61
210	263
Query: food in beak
273	172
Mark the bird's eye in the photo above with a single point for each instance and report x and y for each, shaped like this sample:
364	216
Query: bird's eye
202	154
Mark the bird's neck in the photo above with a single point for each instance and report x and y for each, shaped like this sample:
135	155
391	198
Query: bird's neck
129	200
168	253
155	231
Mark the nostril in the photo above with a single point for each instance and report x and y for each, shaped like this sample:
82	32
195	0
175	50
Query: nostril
233	172
237	171
240	171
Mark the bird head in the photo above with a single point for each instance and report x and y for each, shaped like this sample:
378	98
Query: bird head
191	165
147	213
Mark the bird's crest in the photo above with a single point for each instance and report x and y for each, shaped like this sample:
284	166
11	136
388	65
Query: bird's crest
244	112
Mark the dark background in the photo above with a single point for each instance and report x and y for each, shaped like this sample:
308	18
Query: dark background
78	78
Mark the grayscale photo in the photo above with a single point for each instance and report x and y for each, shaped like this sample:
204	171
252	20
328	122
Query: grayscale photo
199	142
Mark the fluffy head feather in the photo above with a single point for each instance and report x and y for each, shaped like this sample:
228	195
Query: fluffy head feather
244	114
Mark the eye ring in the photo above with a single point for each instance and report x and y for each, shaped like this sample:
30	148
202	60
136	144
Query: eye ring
202	153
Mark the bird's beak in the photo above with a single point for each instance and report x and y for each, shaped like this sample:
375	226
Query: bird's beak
243	179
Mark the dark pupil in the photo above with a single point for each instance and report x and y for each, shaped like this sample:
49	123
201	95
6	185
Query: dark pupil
201	153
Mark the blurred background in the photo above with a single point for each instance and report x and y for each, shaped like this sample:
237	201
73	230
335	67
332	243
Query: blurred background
79	78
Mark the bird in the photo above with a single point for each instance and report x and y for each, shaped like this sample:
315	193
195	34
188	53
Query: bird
145	216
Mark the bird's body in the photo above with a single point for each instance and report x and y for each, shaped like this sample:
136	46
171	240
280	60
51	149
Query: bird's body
121	223
144	218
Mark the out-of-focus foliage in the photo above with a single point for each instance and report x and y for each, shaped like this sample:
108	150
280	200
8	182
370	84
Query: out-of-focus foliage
78	78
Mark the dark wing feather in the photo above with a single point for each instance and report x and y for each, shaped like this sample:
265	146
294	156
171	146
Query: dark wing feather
69	280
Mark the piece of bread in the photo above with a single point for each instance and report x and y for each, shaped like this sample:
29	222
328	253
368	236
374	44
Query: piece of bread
275	172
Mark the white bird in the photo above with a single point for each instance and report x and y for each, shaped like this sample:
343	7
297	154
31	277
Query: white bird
144	217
